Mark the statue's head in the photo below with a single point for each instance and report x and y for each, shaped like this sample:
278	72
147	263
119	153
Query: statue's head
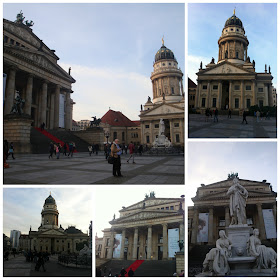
256	232
222	233
235	180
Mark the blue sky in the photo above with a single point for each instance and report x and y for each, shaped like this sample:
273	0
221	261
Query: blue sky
211	162
22	207
205	25
110	48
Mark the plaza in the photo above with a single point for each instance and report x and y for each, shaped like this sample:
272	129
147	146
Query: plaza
85	169
231	127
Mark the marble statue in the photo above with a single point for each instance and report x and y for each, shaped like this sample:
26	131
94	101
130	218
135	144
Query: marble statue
216	261
238	196
266	257
161	127
84	251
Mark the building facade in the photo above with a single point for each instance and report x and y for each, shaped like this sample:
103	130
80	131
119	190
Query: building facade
14	238
168	100
210	212
31	70
232	82
191	93
51	237
149	230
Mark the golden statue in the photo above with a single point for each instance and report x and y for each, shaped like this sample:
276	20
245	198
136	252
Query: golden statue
162	40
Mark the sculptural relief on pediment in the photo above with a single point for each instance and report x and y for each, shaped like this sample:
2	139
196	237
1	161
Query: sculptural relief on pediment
52	232
164	109
226	69
144	215
150	202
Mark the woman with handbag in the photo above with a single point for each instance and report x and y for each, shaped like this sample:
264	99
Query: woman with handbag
116	154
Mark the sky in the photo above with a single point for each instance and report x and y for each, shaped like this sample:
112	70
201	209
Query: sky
206	22
109	47
22	208
211	162
109	200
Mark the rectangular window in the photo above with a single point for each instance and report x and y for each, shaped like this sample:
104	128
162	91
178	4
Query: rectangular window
171	207
12	41
160	238
126	241
148	139
204	86
176	124
236	102
248	103
147	126
249	221
107	241
177	138
222	222
203	101
236	87
5	39
157	125
167	208
215	86
260	89
162	208
248	87
172	90
122	136
115	135
260	103
214	102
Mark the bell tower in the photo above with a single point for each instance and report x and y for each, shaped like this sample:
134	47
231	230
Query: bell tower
49	214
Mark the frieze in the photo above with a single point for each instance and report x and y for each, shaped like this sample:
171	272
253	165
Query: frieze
150	202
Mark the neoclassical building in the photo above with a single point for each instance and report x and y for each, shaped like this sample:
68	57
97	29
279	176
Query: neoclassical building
147	230
168	100
50	237
210	212
232	82
31	71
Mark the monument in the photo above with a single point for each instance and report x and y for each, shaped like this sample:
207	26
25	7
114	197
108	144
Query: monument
238	253
161	141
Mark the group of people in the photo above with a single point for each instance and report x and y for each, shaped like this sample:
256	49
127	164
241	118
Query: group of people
209	113
93	148
57	148
260	115
39	258
105	273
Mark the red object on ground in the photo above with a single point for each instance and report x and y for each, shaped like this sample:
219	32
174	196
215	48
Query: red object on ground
134	266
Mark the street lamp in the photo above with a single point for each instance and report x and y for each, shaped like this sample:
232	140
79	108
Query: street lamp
107	134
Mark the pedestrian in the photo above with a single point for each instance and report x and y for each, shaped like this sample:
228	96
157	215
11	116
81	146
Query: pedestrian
40	262
73	149
116	154
122	147
96	148
110	273
140	149
90	149
123	272
244	117
51	148
54	148
65	149
58	150
258	116
130	273
104	270
70	149
11	150
216	115
267	115
229	114
206	114
131	148
125	149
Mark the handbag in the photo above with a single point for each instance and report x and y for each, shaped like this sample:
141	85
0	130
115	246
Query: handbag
110	159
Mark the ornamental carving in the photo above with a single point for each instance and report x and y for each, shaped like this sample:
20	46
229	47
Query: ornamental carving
150	202
145	215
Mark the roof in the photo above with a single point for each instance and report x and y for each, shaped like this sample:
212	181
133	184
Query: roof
234	20
50	200
164	53
191	84
72	230
136	122
116	118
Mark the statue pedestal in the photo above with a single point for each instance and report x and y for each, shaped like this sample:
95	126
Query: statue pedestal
180	262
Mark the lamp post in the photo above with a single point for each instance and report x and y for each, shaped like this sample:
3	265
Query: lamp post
107	134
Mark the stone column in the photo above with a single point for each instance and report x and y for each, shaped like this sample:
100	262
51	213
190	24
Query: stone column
261	222
227	216
135	244
196	96
254	93
181	231
182	88
210	226
230	95
10	91
194	226
266	95
122	245
52	111
56	107
246	52
28	95
208	94
242	95
234	47
219	101
182	131
165	242
111	245
172	138
149	243
67	112
44	102
275	213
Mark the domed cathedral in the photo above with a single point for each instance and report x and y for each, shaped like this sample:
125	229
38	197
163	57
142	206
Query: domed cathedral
232	83
168	100
53	238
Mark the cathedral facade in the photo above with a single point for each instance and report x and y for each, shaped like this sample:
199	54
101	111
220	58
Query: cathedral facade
232	83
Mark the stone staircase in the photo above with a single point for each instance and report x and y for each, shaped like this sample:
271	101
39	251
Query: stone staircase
40	143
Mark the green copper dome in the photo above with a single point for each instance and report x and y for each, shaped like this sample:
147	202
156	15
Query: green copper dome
50	200
234	20
164	53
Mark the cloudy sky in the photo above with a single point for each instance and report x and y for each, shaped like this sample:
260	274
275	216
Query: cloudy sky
205	25
109	200
110	48
211	162
22	207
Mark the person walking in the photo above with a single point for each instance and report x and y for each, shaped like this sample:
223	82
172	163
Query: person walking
70	149
11	150
54	148
244	117
229	114
131	148
96	149
130	273
258	116
123	272
216	115
51	150
40	262
90	149
58	150
116	154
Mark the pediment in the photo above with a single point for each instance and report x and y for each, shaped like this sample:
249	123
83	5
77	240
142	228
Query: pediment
164	109
226	68
52	232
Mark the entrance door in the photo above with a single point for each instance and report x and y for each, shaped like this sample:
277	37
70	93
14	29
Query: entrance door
225	95
160	252
137	253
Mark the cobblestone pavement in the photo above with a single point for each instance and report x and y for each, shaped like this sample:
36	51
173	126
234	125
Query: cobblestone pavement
230	128
85	169
19	267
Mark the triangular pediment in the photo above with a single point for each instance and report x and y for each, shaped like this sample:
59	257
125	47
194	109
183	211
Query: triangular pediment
53	232
164	109
226	68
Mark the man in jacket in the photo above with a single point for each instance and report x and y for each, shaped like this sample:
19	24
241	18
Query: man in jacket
116	154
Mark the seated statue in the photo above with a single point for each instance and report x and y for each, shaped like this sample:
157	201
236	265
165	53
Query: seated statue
84	251
266	257
216	261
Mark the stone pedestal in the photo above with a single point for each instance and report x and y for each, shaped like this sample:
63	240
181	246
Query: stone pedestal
92	135
17	130
180	262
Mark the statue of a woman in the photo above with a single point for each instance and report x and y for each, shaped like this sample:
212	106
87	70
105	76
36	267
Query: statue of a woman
266	257
216	261
237	204
161	127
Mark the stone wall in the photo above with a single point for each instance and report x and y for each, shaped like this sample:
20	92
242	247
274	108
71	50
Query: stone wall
92	135
180	262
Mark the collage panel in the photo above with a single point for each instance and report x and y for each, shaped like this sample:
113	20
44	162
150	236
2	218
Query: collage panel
47	232
142	233
232	209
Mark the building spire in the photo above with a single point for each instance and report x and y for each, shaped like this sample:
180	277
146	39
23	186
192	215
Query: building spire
234	10
162	40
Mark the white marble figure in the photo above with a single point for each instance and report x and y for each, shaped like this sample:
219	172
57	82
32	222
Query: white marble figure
238	196
266	257
84	251
161	127
216	261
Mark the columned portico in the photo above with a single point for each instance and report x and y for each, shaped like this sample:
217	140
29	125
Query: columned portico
135	244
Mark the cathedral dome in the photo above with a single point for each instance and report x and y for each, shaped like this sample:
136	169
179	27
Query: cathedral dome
234	20
164	53
50	200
